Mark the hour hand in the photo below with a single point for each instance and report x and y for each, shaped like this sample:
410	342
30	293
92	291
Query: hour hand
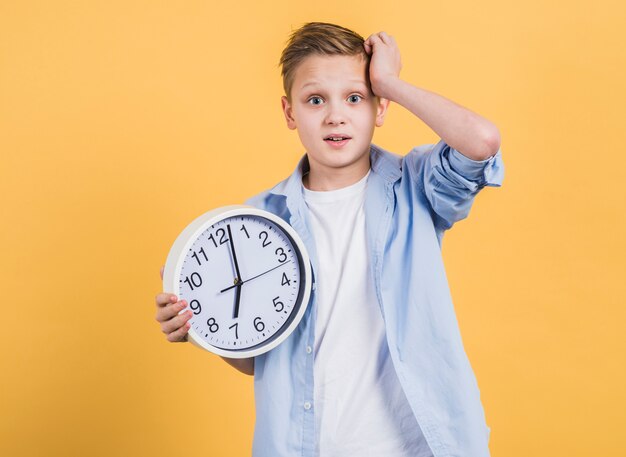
237	299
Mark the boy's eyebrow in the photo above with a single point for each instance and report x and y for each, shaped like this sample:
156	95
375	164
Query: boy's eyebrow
316	83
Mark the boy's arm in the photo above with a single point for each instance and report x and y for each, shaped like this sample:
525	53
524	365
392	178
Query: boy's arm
467	132
465	160
246	366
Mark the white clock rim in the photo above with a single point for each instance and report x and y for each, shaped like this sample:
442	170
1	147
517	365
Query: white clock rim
183	243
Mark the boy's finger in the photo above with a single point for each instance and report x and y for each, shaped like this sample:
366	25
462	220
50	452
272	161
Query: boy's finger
161	272
176	322
164	299
179	335
167	312
373	38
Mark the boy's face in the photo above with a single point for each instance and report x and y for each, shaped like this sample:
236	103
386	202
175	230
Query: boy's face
332	96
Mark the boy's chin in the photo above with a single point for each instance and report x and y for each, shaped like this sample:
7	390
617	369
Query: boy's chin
338	160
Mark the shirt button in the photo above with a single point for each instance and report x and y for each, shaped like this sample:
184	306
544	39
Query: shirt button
309	350
307	405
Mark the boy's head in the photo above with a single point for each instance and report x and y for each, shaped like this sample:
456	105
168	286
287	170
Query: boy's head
320	39
329	99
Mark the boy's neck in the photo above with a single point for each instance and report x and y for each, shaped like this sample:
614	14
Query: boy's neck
333	179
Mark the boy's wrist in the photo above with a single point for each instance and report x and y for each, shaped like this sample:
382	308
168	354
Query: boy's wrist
387	87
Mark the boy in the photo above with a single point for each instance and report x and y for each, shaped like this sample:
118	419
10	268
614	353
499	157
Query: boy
376	367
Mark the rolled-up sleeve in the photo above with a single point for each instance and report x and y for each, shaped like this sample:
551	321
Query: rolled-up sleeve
451	180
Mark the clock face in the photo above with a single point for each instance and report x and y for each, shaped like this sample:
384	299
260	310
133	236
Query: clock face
243	278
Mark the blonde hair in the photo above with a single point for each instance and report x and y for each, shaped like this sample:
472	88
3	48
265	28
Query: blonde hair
317	38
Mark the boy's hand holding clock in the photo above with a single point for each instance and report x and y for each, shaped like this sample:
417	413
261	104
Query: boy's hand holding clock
174	326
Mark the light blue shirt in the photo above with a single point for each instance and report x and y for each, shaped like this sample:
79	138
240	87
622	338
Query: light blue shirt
410	202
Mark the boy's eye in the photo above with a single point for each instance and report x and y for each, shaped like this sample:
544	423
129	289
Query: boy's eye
315	100
354	98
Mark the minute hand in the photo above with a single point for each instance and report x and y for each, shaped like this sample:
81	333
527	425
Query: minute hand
232	247
254	277
238	280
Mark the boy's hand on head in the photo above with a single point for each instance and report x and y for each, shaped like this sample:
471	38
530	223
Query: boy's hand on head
385	63
174	325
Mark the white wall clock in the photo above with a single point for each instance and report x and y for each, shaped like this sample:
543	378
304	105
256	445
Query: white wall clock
246	276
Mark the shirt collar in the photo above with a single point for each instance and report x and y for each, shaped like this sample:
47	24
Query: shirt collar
383	163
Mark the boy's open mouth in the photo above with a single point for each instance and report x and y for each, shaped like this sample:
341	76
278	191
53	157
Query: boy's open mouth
337	139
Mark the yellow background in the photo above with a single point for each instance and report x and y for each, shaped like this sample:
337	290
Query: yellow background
121	121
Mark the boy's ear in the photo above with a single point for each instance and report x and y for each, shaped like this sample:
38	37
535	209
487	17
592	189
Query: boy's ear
288	111
381	110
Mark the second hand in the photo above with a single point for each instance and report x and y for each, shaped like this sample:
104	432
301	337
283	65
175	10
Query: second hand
254	277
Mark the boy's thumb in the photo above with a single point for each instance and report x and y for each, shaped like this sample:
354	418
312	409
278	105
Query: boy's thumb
161	272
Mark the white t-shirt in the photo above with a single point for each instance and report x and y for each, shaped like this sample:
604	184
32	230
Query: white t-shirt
360	408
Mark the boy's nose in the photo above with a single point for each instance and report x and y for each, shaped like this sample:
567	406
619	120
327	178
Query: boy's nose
335	115
335	118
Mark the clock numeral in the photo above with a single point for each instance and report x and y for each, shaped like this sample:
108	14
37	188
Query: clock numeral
258	324
277	304
195	280
195	256
236	332
265	242
243	227
282	254
197	309
213	327
222	237
285	280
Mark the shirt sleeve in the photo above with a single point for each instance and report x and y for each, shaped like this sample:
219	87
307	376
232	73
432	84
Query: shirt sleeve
451	180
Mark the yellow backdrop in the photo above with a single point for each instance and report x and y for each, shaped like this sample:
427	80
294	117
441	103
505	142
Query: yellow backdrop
121	121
